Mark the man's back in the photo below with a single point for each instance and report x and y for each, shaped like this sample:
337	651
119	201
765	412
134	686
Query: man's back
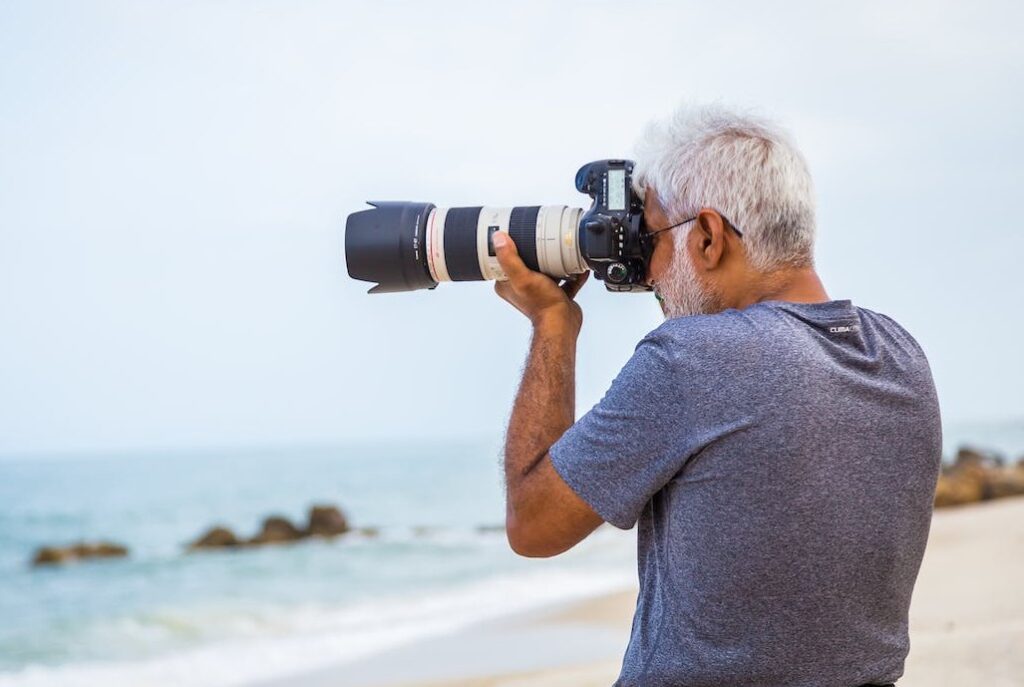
781	462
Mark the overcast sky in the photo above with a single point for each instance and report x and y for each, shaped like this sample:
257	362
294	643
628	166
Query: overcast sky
174	179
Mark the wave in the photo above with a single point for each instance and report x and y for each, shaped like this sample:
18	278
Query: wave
240	647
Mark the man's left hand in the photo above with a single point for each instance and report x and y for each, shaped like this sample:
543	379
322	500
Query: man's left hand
541	298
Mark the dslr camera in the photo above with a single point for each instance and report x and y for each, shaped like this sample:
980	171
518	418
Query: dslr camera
404	246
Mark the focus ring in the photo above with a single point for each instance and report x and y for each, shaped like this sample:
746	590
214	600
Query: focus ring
460	251
522	227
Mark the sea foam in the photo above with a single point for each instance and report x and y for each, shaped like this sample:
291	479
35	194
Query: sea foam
269	643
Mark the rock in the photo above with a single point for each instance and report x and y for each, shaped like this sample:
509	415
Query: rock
326	521
966	456
369	532
965	482
977	476
59	555
953	491
490	529
216	538
277	530
1006	482
103	549
52	555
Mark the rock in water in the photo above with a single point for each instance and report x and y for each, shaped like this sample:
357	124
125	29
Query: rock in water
1006	482
103	549
326	521
966	455
977	476
216	538
277	530
964	483
52	555
59	555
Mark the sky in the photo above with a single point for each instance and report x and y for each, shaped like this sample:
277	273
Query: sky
174	180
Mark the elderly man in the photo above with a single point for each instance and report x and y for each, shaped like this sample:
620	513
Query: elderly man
779	449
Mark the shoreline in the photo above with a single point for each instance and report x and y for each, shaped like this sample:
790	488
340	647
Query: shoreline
581	631
966	625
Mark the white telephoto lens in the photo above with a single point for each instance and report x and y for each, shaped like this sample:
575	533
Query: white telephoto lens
459	246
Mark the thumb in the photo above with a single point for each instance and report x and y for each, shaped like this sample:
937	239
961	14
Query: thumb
508	255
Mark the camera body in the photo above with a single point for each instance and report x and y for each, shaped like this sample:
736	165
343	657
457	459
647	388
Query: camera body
609	232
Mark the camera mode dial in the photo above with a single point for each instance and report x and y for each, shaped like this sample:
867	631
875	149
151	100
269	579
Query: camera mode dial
617	272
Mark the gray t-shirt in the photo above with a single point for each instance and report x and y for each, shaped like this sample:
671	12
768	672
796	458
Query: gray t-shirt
781	461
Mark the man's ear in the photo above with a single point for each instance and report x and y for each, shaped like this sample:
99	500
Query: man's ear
710	234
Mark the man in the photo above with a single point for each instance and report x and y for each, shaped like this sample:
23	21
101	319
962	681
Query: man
779	449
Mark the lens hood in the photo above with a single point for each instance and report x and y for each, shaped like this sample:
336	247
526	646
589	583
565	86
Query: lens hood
387	245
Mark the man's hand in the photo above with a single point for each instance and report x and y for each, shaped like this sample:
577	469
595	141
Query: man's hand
534	294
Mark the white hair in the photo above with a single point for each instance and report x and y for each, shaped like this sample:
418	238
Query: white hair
744	167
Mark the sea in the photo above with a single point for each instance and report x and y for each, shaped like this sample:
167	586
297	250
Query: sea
438	561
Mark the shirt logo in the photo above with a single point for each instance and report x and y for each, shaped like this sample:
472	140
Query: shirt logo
844	329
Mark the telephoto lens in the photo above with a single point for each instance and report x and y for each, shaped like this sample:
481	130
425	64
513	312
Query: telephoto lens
403	246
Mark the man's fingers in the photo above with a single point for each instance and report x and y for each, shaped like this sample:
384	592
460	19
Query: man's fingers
508	256
573	284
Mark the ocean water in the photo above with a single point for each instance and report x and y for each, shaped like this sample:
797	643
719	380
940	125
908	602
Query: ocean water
167	617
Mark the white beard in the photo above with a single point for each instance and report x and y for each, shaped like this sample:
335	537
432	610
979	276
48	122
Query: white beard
680	292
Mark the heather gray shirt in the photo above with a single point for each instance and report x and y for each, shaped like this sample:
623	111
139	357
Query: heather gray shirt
781	461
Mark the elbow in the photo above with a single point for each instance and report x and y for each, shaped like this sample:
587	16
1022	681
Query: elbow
531	541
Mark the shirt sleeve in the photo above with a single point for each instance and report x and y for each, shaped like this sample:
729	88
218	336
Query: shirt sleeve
629	445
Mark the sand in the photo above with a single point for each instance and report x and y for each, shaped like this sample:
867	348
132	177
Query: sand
966	616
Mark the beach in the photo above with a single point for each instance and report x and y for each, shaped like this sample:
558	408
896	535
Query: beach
966	620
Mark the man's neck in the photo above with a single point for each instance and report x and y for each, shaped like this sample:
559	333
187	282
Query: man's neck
796	285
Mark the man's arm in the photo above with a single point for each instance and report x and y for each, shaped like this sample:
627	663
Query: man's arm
543	515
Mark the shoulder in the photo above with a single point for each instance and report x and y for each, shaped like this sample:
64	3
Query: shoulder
892	329
706	338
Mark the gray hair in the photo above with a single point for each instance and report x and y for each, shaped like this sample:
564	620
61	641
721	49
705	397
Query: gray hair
745	167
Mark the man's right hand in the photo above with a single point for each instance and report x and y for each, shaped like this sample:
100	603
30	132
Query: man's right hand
536	295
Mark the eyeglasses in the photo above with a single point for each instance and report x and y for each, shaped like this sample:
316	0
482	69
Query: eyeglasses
647	237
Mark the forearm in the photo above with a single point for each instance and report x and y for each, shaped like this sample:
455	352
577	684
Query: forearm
543	515
545	405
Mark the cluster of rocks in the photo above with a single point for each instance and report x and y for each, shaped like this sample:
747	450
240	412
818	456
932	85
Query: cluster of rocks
977	476
59	555
973	476
324	521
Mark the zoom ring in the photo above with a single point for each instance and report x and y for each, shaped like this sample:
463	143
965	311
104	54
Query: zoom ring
460	250
522	227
